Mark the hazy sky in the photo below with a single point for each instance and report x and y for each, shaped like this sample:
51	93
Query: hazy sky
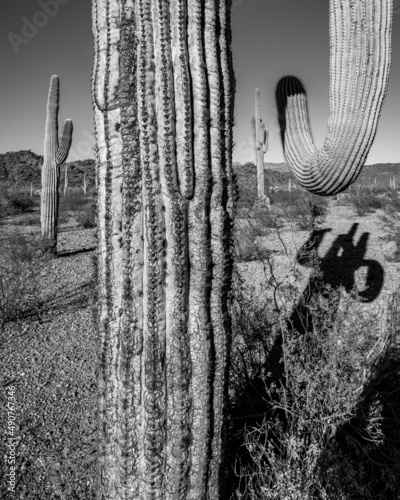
271	38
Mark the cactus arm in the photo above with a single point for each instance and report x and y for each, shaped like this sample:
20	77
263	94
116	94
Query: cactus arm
65	142
265	145
254	137
264	138
360	51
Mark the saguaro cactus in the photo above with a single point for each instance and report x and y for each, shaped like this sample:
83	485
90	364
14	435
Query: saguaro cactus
85	185
360	52
163	90
65	180
260	145
54	156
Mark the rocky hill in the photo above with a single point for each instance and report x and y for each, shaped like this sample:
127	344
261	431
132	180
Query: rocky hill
21	168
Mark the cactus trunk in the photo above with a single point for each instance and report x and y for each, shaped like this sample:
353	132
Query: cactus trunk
54	156
260	146
163	90
360	52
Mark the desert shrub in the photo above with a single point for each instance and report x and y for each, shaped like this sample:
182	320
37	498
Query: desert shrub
363	200
20	203
28	220
392	201
247	197
12	203
259	222
87	217
73	201
306	210
21	261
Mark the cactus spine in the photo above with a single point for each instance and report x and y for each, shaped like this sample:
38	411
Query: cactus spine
260	145
163	90
360	52
55	154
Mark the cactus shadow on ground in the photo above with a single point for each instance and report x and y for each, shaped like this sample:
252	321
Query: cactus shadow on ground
334	271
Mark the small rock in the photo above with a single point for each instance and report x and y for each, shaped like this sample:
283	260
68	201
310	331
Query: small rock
390	249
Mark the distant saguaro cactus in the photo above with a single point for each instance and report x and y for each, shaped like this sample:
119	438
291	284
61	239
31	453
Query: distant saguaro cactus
360	53
85	185
260	145
163	90
54	155
65	180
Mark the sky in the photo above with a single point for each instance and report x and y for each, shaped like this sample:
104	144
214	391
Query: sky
271	38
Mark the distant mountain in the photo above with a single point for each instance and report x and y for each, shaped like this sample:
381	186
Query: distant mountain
21	168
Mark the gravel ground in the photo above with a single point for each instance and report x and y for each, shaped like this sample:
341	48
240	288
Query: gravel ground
50	359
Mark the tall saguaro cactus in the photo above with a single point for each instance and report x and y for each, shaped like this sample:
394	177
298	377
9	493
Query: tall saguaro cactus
260	145
163	90
55	154
360	52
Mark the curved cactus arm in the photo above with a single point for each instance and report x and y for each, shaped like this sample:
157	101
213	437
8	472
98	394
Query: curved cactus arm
254	137
360	52
65	142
